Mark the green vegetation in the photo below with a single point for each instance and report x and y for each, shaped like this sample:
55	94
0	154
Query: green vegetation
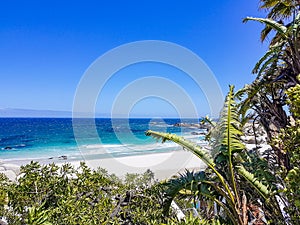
289	142
276	71
237	187
226	180
50	194
232	170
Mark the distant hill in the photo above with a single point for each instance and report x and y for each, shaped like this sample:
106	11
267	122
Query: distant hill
8	112
32	113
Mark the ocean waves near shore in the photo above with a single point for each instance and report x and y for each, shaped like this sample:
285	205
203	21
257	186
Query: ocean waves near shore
52	138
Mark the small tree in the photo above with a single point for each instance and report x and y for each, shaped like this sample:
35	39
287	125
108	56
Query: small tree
223	181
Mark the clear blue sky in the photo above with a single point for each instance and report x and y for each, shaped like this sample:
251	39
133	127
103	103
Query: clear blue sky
46	46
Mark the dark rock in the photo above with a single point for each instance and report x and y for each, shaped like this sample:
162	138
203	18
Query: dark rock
192	125
63	157
198	133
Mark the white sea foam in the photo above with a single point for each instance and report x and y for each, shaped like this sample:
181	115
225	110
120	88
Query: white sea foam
161	125
93	146
126	149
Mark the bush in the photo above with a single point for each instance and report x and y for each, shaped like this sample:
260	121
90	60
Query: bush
50	194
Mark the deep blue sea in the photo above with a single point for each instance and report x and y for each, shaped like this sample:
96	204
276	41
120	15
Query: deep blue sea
44	138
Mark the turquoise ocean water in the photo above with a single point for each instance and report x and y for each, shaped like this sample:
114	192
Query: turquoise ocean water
44	138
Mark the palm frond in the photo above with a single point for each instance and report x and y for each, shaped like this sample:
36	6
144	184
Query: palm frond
266	59
199	152
230	127
268	3
265	32
230	142
279	9
271	61
184	184
188	145
260	187
281	29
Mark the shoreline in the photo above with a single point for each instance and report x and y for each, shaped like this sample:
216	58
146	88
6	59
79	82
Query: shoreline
164	165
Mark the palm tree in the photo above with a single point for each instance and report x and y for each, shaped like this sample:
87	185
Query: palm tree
221	182
278	10
283	50
276	71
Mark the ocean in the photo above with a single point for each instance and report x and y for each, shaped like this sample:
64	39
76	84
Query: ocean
54	138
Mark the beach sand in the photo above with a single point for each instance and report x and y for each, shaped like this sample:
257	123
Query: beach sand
164	165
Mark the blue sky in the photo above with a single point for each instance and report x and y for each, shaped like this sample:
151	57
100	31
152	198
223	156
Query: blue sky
46	46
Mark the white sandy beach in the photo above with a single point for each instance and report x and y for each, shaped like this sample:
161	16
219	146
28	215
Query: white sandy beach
164	165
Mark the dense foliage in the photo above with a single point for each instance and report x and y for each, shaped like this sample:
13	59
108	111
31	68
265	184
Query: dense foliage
229	186
289	142
63	195
48	194
276	71
273	101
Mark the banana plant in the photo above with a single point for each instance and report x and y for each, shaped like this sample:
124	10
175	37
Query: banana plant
220	182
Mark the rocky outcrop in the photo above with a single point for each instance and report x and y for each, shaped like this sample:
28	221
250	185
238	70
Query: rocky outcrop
254	134
192	125
198	133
